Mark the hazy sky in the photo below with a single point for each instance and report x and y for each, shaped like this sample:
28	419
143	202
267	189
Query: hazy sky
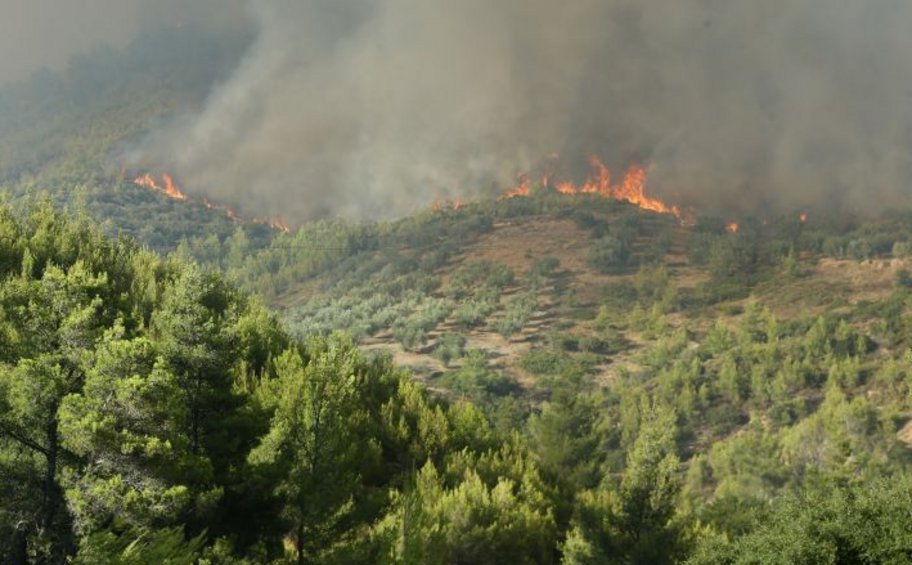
46	33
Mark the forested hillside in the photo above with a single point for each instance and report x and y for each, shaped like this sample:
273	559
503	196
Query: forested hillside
151	411
547	378
64	133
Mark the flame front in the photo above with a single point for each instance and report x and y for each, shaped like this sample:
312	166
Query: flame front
167	187
732	227
521	189
439	205
632	187
275	223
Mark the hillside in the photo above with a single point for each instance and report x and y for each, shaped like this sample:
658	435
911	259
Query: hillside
549	258
550	376
64	134
743	332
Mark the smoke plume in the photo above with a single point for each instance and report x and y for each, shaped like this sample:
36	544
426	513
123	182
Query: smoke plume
370	108
37	34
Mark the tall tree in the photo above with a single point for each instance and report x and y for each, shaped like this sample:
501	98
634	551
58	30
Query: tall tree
54	322
128	426
310	447
632	523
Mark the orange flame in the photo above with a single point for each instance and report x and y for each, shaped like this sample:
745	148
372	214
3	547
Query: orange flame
168	187
229	213
275	222
521	189
632	187
440	204
278	224
732	227
803	217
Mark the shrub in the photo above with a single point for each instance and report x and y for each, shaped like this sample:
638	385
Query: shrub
902	249
476	310
476	379
450	346
542	362
545	266
904	278
609	254
860	249
517	315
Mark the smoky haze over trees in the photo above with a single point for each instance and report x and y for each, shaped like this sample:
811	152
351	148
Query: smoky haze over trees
374	107
37	34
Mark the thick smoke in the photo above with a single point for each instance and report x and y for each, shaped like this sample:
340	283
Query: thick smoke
370	108
37	34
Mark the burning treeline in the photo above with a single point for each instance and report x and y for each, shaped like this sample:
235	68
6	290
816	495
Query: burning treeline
166	185
631	188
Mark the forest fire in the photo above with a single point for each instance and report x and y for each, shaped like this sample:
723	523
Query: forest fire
631	189
275	223
438	205
169	188
523	188
229	213
732	227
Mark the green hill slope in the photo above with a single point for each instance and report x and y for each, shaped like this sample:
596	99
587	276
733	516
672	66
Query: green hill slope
767	334
601	383
61	132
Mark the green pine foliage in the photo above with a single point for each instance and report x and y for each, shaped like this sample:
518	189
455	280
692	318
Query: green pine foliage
150	411
153	410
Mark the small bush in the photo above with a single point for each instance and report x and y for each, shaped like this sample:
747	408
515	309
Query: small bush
902	249
545	266
609	254
450	346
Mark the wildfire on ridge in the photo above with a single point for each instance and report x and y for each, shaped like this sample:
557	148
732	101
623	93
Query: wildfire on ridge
803	217
275	223
278	224
229	213
631	189
170	189
732	227
167	187
523	187
438	205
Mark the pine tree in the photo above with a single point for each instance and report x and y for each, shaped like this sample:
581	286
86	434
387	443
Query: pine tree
311	446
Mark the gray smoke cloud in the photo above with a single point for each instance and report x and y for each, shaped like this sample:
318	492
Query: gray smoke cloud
37	34
371	108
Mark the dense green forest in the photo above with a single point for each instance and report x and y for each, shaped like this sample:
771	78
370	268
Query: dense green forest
551	379
152	412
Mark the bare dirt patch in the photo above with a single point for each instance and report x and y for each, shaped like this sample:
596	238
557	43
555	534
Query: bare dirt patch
868	280
519	243
905	434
